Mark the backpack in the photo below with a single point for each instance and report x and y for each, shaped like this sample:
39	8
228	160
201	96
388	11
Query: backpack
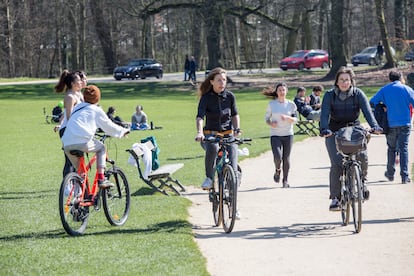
57	112
381	117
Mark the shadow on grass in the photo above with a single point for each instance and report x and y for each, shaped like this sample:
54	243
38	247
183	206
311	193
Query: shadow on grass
173	226
144	191
27	194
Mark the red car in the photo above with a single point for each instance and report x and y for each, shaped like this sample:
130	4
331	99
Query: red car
305	59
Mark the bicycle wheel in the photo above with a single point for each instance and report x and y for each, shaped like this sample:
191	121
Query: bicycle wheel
356	197
116	200
73	216
345	203
214	199
228	198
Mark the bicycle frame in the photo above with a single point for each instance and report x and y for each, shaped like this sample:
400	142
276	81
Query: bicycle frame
88	189
350	197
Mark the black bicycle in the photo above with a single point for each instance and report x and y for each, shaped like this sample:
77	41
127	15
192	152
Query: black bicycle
352	190
223	194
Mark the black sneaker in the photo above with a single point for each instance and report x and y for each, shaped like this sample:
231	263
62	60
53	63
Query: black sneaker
276	176
335	205
366	194
406	180
390	178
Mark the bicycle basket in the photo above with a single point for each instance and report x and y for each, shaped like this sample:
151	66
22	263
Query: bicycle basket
351	139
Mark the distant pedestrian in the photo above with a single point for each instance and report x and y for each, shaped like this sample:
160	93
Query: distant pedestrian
380	52
193	69
280	116
186	68
397	98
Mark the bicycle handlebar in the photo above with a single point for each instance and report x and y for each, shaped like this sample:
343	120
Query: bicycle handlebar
227	140
369	130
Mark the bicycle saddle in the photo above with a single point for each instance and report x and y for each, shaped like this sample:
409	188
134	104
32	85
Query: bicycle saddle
77	153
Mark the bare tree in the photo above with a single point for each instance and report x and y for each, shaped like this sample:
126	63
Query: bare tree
336	37
379	7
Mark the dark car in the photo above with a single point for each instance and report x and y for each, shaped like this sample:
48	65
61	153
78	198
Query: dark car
139	68
368	56
305	59
409	56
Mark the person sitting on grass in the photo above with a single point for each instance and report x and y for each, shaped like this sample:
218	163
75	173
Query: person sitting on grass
85	119
116	119
139	119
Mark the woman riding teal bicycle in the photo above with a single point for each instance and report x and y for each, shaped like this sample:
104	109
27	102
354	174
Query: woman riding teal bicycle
217	106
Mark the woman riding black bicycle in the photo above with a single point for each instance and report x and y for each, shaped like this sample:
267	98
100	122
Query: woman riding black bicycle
217	106
341	107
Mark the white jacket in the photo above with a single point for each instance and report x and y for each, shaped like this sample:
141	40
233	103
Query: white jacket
85	119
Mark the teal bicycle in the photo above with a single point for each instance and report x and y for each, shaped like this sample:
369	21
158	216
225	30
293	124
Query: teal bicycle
223	194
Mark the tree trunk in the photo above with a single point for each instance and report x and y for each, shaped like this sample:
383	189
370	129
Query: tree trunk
214	24
379	7
336	38
399	24
104	34
9	33
293	34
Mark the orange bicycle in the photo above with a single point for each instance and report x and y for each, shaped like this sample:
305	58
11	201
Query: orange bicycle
77	195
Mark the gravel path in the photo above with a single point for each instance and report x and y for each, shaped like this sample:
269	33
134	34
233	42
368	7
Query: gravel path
291	232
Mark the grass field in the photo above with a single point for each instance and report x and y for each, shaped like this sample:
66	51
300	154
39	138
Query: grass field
157	238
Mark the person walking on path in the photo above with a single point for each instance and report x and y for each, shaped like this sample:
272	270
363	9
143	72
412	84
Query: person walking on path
397	98
341	107
380	52
193	69
186	68
280	116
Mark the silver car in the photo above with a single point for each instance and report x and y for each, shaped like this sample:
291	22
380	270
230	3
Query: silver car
368	56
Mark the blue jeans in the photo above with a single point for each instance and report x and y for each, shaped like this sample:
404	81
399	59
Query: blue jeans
397	140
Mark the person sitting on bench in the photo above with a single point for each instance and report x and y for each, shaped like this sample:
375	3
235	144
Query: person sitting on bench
315	98
304	108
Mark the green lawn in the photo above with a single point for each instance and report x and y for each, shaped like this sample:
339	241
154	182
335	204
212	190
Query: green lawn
157	238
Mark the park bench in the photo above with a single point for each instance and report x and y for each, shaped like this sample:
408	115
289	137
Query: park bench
250	65
161	179
306	126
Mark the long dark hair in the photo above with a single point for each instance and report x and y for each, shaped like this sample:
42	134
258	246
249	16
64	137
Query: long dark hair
271	92
206	85
65	81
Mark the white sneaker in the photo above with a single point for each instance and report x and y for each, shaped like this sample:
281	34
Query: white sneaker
238	215
207	184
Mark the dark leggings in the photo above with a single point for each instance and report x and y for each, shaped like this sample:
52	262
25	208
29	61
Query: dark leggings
281	148
68	165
